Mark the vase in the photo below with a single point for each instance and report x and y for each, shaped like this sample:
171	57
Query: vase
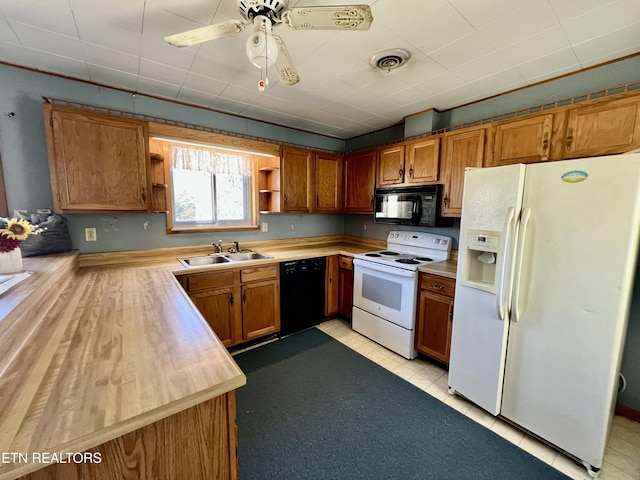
11	262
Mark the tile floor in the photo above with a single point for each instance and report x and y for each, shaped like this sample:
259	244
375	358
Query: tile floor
622	457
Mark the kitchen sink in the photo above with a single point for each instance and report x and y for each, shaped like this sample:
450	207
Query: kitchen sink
241	256
202	261
217	258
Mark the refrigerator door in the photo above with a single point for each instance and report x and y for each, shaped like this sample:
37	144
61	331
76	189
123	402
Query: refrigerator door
571	295
491	202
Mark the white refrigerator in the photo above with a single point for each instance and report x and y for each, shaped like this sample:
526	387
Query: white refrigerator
546	259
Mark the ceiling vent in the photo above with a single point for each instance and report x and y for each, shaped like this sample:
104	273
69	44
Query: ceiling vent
391	59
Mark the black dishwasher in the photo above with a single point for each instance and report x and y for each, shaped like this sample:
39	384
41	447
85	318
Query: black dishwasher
302	284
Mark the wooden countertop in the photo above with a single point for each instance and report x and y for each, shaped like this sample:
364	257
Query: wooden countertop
91	354
95	346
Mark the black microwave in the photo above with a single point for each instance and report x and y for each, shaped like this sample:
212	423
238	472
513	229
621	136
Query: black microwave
419	205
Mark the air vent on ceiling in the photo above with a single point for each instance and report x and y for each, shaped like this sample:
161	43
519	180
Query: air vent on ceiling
391	59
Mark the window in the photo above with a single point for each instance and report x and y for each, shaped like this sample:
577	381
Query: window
211	188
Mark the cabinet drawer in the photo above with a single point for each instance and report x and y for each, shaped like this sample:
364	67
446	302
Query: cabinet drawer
258	273
437	284
207	281
345	262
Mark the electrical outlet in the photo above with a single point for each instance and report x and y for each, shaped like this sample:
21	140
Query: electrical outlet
265	227
293	226
90	235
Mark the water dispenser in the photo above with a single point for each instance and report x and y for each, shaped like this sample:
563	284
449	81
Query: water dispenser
481	260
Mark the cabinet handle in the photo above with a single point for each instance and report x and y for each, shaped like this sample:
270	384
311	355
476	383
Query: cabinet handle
400	172
570	138
451	313
244	297
445	201
231	298
411	171
330	279
317	200
372	200
545	142
144	195
285	198
437	286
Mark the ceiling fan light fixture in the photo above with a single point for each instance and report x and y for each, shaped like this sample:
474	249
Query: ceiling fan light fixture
262	49
391	59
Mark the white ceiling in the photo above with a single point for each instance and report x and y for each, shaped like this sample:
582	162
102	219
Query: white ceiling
461	51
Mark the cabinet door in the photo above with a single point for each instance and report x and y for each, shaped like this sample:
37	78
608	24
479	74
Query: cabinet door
328	183
462	149
217	307
391	165
359	182
433	326
260	309
525	140
422	161
296	182
98	162
345	296
603	128
332	286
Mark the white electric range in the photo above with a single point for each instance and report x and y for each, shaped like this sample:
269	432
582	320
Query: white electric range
385	287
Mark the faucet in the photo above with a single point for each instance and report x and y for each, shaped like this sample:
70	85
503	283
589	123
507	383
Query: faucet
218	246
235	248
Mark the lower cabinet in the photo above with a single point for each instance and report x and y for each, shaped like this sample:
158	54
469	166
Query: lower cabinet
345	286
332	287
435	316
240	304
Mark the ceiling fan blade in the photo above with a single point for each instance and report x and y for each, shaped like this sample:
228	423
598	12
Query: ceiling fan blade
339	17
203	34
286	71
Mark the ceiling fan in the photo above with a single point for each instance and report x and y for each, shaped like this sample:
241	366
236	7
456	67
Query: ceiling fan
265	49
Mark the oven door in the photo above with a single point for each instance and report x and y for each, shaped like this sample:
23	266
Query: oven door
386	292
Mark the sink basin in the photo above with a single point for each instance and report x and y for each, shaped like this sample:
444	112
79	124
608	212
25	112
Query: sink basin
241	256
202	261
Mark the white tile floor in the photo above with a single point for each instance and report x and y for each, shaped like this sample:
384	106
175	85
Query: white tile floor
622	457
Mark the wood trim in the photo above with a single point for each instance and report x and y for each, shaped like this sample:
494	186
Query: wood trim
4	208
628	412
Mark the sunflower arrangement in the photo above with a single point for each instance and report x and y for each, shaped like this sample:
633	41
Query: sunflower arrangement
12	233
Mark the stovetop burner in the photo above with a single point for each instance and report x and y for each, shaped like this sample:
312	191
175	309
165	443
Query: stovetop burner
372	255
408	261
391	254
424	259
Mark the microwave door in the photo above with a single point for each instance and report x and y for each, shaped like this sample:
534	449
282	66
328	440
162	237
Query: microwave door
397	208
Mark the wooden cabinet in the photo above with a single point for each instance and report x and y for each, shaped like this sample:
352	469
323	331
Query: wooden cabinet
332	286
390	165
260	301
328	183
98	162
296	170
523	140
462	149
411	163
269	185
603	128
435	316
240	304
422	159
345	293
359	182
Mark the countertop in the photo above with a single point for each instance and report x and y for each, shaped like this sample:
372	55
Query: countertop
96	346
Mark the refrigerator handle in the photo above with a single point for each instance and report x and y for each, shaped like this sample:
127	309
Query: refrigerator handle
516	300
506	253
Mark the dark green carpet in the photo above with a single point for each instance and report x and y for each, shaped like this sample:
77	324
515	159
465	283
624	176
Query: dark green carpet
315	409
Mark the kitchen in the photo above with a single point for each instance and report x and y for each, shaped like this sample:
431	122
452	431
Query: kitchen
25	160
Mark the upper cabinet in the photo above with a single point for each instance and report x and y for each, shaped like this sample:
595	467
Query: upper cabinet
461	149
390	165
359	182
603	128
98	162
525	140
296	170
328	183
409	163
